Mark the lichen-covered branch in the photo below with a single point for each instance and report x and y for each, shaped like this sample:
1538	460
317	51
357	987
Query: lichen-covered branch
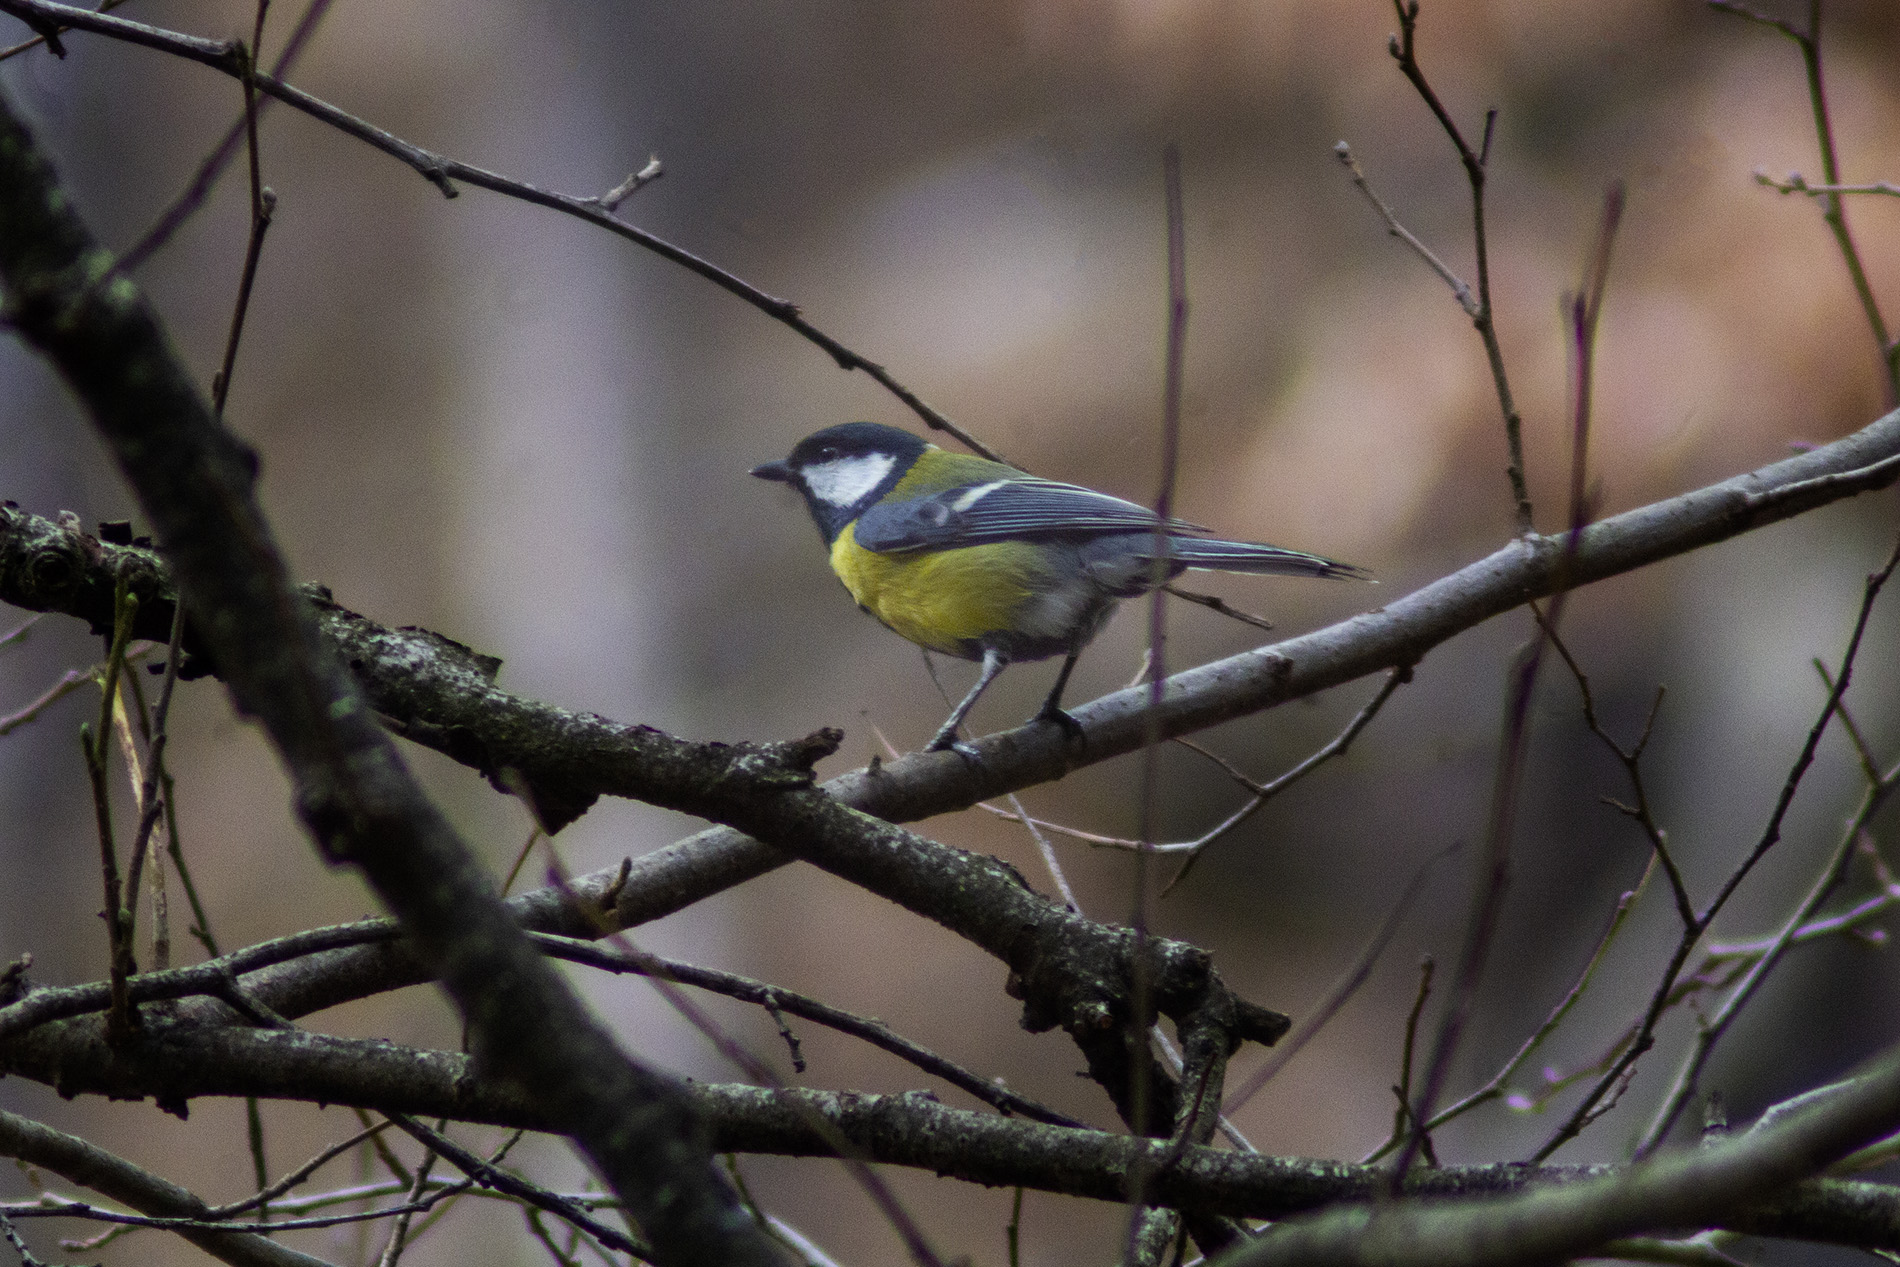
195	482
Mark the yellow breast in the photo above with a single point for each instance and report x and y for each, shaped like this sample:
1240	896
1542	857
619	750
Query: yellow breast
942	599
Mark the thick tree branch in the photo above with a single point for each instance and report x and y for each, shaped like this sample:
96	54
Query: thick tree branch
443	695
194	480
1070	971
1692	1188
93	1167
422	677
177	1061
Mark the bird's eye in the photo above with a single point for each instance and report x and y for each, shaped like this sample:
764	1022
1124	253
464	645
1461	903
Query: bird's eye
827	453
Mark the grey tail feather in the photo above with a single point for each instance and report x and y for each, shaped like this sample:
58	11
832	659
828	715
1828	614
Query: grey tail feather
1250	556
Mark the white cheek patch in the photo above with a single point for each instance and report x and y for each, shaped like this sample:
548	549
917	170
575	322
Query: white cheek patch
846	481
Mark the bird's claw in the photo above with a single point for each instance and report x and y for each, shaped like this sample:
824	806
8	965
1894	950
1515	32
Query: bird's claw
1071	728
950	743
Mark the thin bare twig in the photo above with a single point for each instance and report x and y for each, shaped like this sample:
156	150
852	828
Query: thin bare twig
759	1070
1631	759
1490	880
1408	1046
1495	1088
1798	184
1476	164
872	1031
122	1018
1264	792
183	207
1459	287
1063	829
270	1192
1341	993
1493	875
1671	987
1048	851
1853	919
1683	1087
1216	604
158	798
487	1174
1833	205
399	1227
1876	581
1141	985
1585	310
443	172
68	682
633	184
1869	765
527	846
122	725
50	1206
152	786
1171	1056
37	40
263	203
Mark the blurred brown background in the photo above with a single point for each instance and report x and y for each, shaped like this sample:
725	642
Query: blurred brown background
500	423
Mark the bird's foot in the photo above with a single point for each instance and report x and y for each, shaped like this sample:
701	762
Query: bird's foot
948	742
1071	728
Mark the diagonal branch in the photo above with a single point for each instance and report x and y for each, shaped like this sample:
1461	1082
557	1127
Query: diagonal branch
93	1167
195	481
1687	1189
443	695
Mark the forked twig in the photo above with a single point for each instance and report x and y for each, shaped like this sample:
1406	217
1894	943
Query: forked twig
889	1205
1499	1081
1263	792
1830	190
1670	986
51	38
1493	874
1682	1089
186	204
1403	48
1460	288
1408	1047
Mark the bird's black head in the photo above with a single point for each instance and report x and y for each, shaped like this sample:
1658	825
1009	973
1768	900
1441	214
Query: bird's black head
844	469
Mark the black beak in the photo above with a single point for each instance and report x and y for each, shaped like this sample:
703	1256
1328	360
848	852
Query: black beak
778	471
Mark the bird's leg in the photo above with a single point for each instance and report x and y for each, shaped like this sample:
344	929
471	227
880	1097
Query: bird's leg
1051	710
946	736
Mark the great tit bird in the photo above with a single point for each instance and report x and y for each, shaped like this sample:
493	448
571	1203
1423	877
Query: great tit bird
979	560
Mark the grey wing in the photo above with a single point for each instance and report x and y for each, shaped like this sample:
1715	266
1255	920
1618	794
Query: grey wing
1003	510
